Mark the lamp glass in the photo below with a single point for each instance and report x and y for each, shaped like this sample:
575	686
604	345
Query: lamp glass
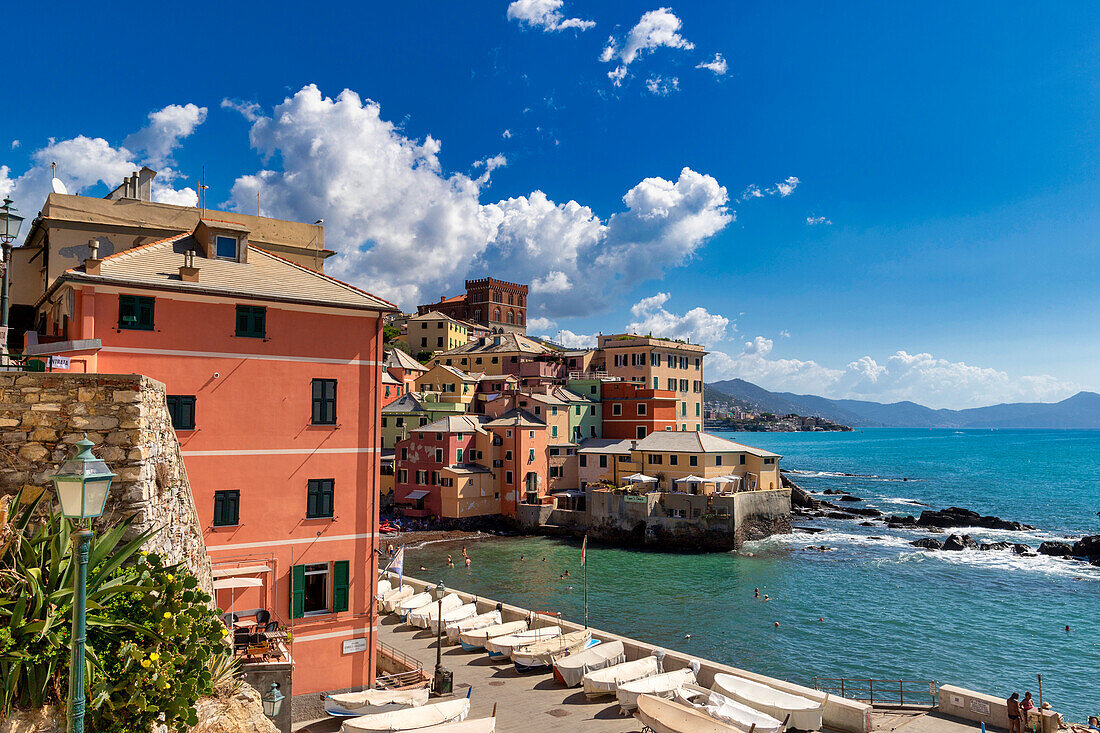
273	701
82	484
12	221
439	591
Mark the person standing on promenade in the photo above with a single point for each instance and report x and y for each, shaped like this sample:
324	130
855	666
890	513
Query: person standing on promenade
1026	706
1014	725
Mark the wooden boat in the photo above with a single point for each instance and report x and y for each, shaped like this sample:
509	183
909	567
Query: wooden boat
465	611
421	616
368	702
717	705
571	669
607	680
805	713
455	629
664	716
475	639
477	725
434	714
392	597
500	647
403	608
543	654
662	685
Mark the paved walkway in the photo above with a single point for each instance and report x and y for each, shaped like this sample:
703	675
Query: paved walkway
535	703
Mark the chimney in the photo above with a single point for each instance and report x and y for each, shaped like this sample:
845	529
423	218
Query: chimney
633	445
442	298
91	264
144	183
189	273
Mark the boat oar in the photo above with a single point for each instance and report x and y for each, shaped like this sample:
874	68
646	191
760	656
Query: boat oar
752	728
785	721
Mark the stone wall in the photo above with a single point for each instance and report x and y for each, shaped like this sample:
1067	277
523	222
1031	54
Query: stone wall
125	415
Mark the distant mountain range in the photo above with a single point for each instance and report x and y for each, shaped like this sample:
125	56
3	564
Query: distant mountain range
1082	410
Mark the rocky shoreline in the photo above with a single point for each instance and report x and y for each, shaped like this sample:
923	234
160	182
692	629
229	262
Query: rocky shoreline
935	521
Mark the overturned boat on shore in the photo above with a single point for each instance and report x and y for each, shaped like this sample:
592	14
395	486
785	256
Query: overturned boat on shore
433	714
369	702
405	607
423	615
662	685
606	681
455	629
474	640
465	611
664	716
392	597
571	669
543	654
805	714
717	705
501	646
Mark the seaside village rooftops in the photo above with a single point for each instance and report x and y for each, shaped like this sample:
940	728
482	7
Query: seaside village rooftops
454	424
516	418
398	359
501	342
172	264
668	441
405	403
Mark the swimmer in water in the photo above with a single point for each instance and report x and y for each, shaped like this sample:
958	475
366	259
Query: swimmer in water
756	592
766	597
467	562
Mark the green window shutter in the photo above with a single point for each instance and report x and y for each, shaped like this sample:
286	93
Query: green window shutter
298	591
340	585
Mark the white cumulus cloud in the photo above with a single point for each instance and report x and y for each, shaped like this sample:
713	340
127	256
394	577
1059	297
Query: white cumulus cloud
251	111
718	65
815	220
166	129
786	187
408	230
571	340
662	86
546	15
538	324
697	325
655	29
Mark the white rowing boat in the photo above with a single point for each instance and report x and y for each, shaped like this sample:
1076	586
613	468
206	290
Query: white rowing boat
403	608
475	639
662	685
570	670
607	680
383	586
368	702
500	647
477	725
423	615
465	611
455	629
717	705
392	597
449	711
805	713
542	654
664	716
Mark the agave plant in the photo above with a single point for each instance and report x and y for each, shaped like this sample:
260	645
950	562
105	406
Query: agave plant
36	596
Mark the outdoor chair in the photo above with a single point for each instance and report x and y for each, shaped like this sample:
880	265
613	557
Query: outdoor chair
241	638
262	617
229	619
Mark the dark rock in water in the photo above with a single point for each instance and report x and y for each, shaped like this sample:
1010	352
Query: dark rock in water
821	504
1088	547
958	517
1021	549
927	543
997	546
935	530
956	543
839	515
832	491
901	521
874	537
808	530
1056	549
863	511
866	524
846	497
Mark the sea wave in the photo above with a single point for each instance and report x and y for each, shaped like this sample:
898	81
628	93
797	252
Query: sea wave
840	474
898	500
1002	560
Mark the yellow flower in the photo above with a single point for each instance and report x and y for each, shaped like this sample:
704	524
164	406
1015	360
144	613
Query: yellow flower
145	663
154	656
171	577
144	553
167	614
225	632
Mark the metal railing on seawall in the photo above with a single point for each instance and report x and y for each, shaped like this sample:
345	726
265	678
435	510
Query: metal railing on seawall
923	693
413	676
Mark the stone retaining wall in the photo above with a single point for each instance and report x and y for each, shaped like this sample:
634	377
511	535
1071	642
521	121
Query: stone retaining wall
41	417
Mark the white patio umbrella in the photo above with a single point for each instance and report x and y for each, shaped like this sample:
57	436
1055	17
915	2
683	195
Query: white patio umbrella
236	582
691	479
640	478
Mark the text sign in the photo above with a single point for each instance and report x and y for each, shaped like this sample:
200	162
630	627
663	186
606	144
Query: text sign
59	362
980	707
355	645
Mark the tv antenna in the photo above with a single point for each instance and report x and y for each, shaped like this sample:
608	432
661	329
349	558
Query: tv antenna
202	191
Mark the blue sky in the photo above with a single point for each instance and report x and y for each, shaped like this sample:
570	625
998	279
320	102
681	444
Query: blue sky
926	223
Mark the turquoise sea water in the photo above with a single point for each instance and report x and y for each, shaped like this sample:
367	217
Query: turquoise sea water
990	621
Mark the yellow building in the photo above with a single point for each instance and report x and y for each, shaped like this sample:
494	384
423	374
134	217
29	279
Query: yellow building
675	366
498	354
435	332
668	456
448	384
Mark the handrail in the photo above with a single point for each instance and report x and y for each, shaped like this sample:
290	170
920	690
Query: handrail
881	692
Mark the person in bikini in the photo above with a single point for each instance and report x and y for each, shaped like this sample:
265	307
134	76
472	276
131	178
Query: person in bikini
1014	724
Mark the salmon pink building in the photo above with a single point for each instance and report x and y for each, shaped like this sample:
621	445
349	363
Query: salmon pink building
273	376
632	411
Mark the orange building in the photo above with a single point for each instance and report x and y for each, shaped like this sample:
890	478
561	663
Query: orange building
632	411
273	376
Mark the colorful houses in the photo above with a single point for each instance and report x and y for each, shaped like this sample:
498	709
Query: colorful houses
497	305
658	363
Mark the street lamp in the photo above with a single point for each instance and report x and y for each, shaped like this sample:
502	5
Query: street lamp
273	701
9	230
444	681
81	484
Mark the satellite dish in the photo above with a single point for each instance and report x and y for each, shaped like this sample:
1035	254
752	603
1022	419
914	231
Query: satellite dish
58	186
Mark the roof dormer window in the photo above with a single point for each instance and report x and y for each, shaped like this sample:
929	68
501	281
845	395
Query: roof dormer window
225	247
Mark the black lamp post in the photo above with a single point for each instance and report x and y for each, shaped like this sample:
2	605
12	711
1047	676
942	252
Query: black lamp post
9	230
443	682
